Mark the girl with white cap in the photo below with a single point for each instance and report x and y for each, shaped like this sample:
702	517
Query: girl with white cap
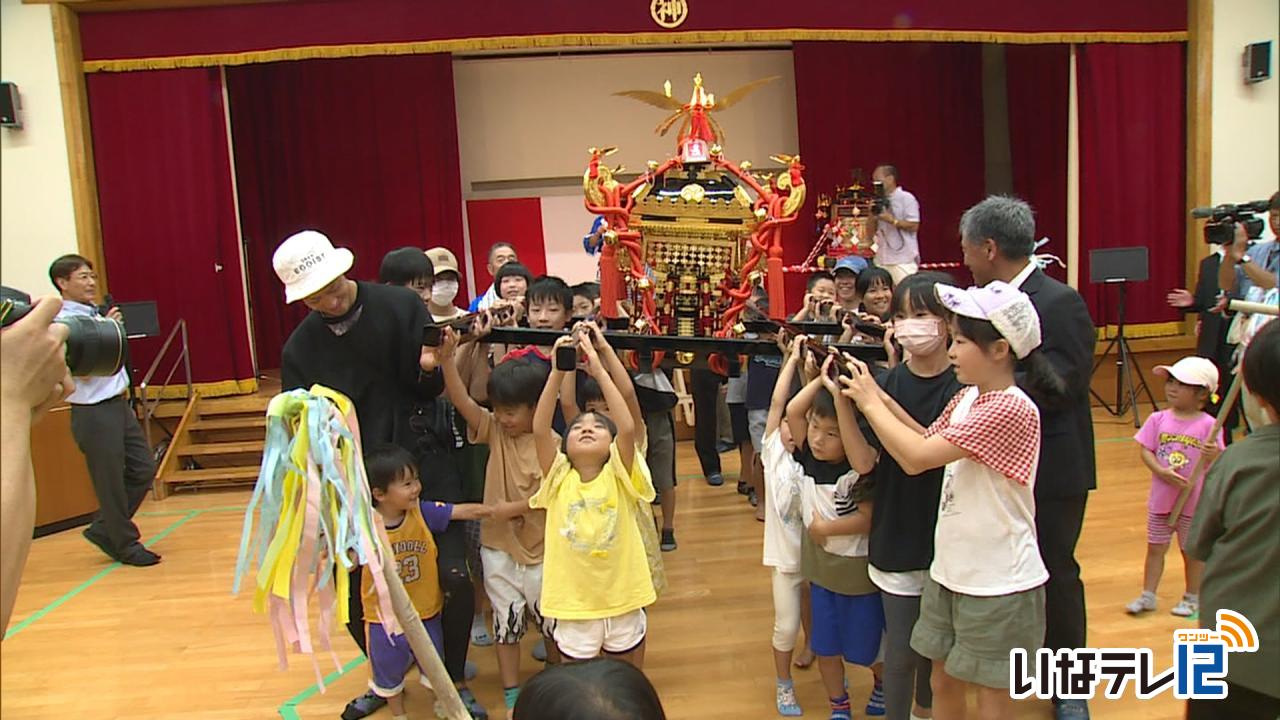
984	594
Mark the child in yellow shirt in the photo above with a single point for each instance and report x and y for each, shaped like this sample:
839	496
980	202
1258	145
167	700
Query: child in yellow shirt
596	580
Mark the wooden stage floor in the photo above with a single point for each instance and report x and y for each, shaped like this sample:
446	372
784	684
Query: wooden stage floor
94	640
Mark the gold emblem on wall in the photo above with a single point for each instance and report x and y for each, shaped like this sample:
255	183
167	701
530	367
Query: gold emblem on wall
669	13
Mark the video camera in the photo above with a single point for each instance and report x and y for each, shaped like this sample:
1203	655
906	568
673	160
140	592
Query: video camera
94	346
879	200
1221	228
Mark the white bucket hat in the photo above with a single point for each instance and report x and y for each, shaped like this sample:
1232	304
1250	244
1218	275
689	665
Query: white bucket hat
1006	307
306	261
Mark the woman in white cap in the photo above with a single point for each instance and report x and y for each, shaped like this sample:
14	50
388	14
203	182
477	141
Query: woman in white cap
986	563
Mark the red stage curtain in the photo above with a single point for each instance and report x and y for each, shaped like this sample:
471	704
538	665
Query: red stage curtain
1038	79
168	216
514	220
363	149
1132	169
199	31
914	105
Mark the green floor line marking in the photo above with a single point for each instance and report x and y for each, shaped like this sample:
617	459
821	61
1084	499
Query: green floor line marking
33	617
165	513
289	710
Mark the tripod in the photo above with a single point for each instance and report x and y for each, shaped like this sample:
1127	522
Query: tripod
1126	368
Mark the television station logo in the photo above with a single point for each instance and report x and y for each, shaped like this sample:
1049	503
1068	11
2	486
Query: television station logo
1200	659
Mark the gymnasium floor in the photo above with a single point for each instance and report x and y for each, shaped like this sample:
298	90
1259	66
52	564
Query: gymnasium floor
90	639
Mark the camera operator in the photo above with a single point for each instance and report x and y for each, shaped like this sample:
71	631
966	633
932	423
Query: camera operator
32	363
106	430
896	227
1252	272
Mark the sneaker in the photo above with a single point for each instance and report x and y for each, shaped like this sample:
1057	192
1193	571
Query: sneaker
752	498
668	540
473	706
1186	607
138	556
363	706
875	703
1145	603
540	650
788	706
715	479
743	488
470	671
480	636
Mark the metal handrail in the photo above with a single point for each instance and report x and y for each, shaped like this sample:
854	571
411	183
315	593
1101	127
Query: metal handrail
149	405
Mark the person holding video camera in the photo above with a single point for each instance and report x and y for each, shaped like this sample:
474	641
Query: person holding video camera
105	427
896	226
1251	272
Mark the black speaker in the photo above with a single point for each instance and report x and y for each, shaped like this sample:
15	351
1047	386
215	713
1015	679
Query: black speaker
9	105
1257	62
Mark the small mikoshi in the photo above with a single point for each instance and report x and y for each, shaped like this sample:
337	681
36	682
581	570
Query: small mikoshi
688	240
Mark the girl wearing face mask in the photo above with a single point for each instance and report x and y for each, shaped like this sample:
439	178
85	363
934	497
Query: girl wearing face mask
902	526
445	288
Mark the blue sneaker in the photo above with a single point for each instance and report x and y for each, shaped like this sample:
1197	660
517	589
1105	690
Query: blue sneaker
363	706
785	695
715	479
1070	710
470	671
540	650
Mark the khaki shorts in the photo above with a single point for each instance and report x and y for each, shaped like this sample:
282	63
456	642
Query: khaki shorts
974	635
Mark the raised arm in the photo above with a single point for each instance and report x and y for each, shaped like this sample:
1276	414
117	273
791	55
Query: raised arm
782	387
454	387
799	407
617	371
626	437
861	456
914	452
543	436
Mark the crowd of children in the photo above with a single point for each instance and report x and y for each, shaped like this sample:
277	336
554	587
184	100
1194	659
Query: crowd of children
897	497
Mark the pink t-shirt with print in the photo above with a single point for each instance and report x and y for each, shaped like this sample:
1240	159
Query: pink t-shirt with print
1174	441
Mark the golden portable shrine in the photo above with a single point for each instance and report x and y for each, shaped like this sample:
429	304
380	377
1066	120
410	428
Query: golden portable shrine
688	240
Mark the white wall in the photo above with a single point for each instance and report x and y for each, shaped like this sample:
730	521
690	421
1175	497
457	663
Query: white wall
1246	118
37	223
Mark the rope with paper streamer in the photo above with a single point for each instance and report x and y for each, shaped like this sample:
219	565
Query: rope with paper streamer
314	512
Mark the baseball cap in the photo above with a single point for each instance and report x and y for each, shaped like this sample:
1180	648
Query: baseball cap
1196	371
1003	305
306	261
853	263
442	260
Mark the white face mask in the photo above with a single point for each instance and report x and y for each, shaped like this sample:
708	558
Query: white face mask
444	291
919	336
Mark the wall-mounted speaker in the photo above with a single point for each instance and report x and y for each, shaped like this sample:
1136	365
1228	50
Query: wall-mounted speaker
10	106
1257	62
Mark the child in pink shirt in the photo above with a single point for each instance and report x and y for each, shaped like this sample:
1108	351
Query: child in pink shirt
1171	442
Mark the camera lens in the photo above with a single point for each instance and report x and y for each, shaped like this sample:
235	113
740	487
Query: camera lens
94	347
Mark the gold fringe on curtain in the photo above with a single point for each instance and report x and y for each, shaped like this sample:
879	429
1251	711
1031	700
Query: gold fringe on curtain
702	37
1142	330
220	388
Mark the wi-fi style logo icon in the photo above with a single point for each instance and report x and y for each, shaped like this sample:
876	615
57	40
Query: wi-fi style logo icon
1236	632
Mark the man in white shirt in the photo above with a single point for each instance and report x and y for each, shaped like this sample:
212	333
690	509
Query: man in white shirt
896	227
120	463
500	253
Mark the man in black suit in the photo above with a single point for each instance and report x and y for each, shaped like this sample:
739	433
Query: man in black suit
997	237
1211	330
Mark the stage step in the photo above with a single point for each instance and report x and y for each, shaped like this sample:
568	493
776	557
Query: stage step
258	422
221	448
217	474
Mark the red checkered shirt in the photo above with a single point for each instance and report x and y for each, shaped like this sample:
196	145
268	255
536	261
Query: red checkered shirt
1001	431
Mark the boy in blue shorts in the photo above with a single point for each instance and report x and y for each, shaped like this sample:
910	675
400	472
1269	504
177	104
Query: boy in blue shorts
830	470
393	478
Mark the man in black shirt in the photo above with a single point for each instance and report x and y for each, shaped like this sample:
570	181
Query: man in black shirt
365	341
